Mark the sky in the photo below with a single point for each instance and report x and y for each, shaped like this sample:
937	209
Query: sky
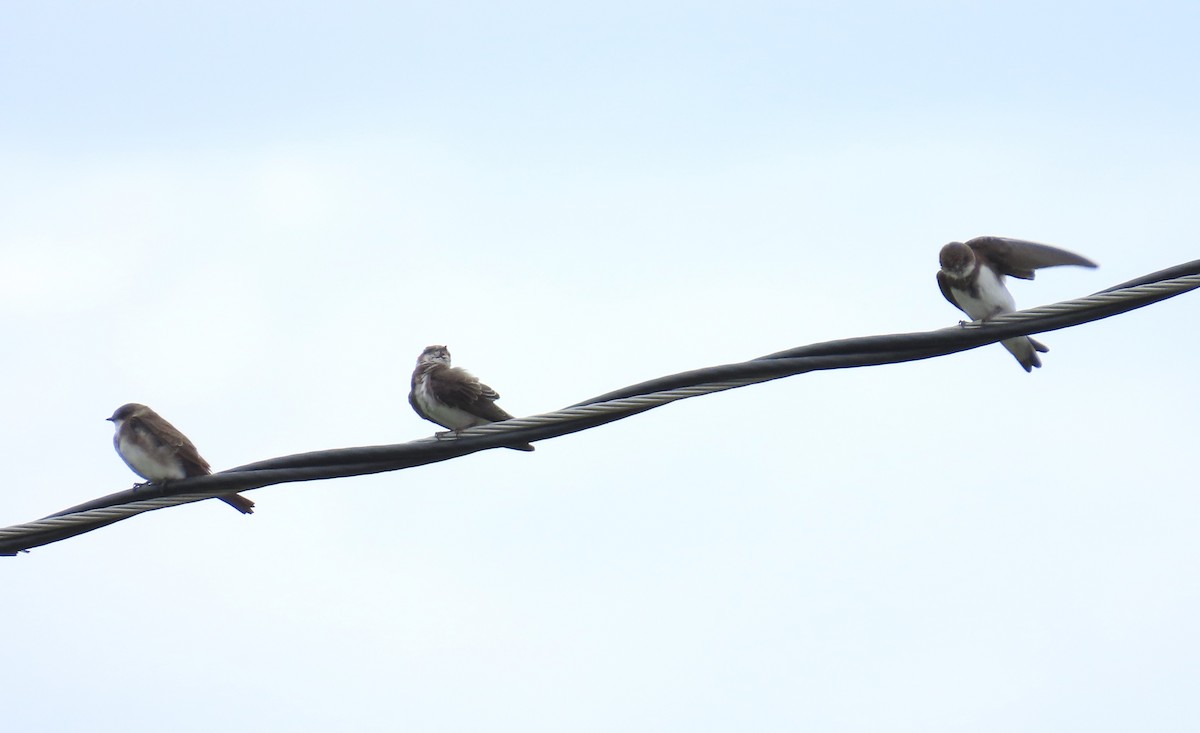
254	216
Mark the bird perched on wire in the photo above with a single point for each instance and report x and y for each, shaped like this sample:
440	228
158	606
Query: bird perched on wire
158	452
972	278
452	397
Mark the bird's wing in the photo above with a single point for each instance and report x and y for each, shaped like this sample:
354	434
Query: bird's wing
1018	258
167	434
457	387
944	284
412	400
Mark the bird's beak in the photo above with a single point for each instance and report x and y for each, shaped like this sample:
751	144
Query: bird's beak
109	419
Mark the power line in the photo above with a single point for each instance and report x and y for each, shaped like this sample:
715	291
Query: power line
606	408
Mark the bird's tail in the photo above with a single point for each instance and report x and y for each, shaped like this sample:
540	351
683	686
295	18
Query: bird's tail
524	446
239	502
1026	350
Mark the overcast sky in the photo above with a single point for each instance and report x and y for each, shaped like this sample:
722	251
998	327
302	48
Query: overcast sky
253	216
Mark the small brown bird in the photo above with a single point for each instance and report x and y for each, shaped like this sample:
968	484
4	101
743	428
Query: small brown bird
452	397
156	451
972	278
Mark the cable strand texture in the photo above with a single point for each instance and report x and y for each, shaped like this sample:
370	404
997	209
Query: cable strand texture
617	405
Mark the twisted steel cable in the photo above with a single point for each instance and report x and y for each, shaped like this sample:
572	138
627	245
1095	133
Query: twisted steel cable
606	408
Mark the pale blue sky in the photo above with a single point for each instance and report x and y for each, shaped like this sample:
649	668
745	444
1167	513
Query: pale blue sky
254	217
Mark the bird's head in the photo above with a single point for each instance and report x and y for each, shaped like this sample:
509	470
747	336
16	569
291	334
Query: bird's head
957	259
124	412
434	355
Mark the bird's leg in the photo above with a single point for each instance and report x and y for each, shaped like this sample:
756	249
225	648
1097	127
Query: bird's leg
162	486
978	321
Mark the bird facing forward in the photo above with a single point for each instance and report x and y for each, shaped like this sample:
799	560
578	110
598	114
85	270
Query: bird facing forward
972	278
452	397
157	452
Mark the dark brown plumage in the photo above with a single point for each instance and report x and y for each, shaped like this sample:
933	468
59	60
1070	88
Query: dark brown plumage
972	279
452	397
155	450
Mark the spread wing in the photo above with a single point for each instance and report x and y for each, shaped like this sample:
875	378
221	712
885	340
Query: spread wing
457	387
166	434
1018	258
